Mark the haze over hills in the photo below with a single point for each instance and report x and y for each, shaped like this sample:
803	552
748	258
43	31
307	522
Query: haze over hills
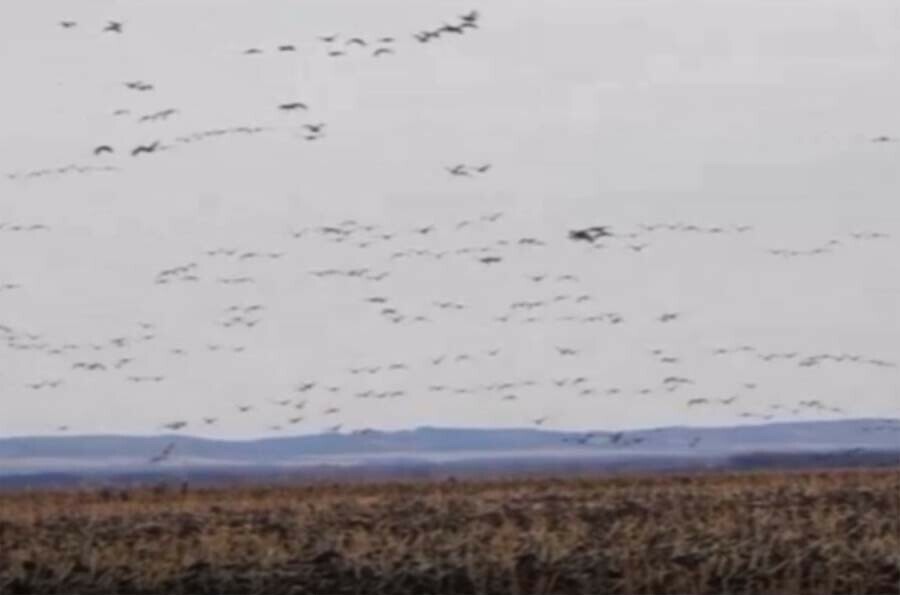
448	448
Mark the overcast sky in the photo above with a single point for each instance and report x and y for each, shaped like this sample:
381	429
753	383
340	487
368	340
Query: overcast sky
745	126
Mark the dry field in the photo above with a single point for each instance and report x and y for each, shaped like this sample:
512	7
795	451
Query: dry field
834	532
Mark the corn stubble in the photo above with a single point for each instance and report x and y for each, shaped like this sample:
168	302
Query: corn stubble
834	532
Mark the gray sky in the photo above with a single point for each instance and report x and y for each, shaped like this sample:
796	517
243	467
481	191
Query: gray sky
626	114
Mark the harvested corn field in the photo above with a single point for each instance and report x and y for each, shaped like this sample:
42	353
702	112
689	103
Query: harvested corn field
834	532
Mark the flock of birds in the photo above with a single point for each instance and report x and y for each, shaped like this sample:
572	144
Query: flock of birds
483	242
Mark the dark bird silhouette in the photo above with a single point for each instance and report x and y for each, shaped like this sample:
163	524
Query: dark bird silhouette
292	106
244	408
175	425
113	27
490	260
386	40
151	148
458	170
165	454
484	168
335	53
286	48
328	38
67	24
356	41
470	17
253	51
382	52
315	128
103	149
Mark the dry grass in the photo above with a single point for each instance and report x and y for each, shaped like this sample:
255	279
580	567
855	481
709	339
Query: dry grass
835	532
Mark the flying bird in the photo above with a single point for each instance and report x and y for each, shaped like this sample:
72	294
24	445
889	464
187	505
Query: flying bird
292	106
151	148
67	24
357	41
103	149
382	51
113	27
458	170
470	17
165	454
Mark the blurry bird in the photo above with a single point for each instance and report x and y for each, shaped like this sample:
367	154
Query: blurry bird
113	27
458	170
151	148
103	149
292	106
67	24
165	454
382	52
470	17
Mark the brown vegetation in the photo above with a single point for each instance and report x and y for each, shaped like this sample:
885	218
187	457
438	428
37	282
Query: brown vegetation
835	532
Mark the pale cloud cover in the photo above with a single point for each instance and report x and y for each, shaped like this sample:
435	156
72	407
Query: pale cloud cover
745	126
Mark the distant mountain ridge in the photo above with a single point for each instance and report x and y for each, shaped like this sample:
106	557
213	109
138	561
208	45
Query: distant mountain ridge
443	446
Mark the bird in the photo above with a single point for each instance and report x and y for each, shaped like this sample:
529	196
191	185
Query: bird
386	40
470	17
580	235
103	149
251	51
382	51
490	260
175	425
292	106
67	24
566	351
458	170
357	41
151	148
484	168
209	420
244	408
668	317
113	27
165	454
286	48
328	38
